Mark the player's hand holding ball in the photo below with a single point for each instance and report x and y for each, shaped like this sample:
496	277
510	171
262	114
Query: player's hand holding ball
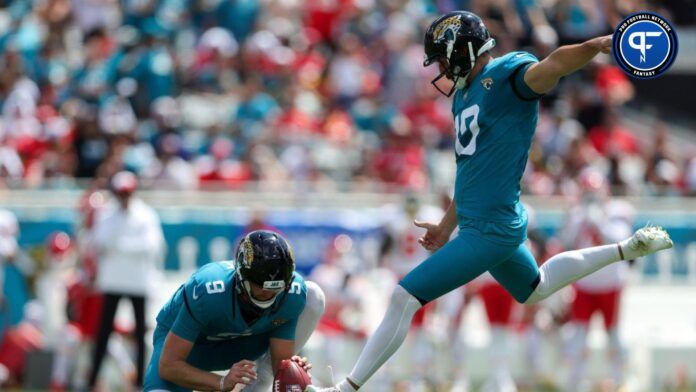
302	361
435	236
242	372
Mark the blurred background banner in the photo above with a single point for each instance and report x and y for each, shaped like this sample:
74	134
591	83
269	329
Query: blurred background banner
199	228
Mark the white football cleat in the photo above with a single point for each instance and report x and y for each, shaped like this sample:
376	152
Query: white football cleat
645	241
312	388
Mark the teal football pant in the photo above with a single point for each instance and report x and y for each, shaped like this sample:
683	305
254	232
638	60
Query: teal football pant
467	256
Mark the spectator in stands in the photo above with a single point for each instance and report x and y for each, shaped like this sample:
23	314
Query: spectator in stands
14	295
661	172
581	19
52	285
690	174
502	19
611	137
170	170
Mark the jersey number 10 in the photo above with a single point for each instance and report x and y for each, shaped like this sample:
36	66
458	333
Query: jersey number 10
466	135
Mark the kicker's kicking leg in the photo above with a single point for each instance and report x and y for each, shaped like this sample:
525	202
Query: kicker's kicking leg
567	267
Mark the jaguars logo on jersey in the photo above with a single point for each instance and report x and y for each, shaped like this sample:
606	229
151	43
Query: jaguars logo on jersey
278	322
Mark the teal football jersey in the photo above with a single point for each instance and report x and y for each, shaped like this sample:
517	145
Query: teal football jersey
495	118
206	308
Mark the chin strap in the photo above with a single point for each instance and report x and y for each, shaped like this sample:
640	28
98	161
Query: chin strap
261	304
460	83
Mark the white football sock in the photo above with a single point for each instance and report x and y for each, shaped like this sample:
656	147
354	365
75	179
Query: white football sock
567	267
384	342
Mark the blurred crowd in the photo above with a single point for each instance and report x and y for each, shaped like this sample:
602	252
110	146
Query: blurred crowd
283	93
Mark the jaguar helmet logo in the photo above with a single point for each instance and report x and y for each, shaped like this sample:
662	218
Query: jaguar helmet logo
446	31
248	252
450	25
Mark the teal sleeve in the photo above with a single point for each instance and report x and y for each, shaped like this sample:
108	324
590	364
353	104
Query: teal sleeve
519	64
285	331
187	324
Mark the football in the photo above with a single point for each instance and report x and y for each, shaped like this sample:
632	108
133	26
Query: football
291	377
